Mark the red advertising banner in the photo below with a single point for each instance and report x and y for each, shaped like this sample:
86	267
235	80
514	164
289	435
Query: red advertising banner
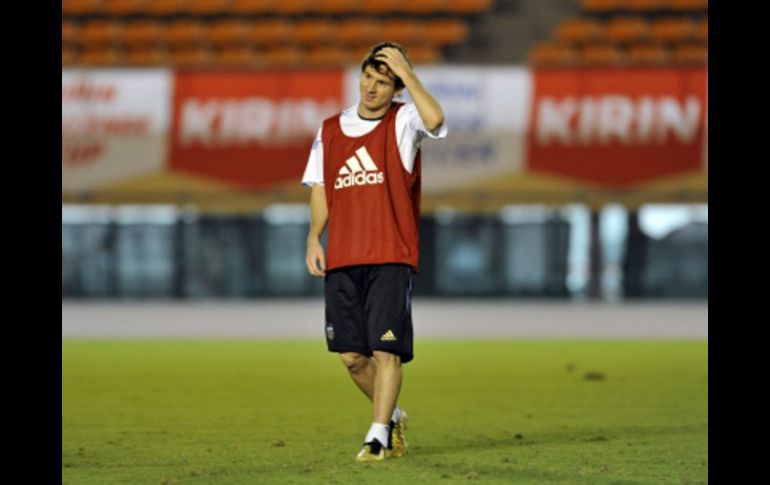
617	127
250	129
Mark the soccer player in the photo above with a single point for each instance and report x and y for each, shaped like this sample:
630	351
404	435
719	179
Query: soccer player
364	170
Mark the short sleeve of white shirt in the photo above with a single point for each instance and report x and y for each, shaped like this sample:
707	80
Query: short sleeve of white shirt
410	132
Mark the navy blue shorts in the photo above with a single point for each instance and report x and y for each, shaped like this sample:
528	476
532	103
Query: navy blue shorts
369	308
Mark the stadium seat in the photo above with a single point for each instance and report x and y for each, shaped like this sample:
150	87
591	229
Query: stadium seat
191	57
270	31
101	57
292	7
579	30
252	7
68	56
315	30
425	54
238	56
702	31
96	33
552	54
329	56
377	7
691	55
467	7
120	8
165	7
70	32
601	55
336	7
284	56
673	30
646	54
227	31
80	7
601	6
445	31
688	6
142	32
403	31
356	31
643	7
421	7
184	32
623	30
149	56
207	7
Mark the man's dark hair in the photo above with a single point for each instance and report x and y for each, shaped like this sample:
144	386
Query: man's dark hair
370	60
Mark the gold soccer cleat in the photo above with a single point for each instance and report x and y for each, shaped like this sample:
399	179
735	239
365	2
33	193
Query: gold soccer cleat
398	436
372	451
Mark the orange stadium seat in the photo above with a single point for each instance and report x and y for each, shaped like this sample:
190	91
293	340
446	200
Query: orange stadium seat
691	55
380	6
550	54
356	31
329	56
601	55
446	31
191	57
284	56
644	6
165	7
689	6
80	7
146	56
624	30
119	8
252	7
270	31
579	30
421	7
70	32
184	32
424	54
238	56
648	54
226	32
702	31
292	7
207	7
100	32
315	30
101	57
403	31
673	30
142	32
467	6
68	56
601	6
336	7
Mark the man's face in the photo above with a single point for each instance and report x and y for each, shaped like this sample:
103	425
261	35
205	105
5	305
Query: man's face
377	88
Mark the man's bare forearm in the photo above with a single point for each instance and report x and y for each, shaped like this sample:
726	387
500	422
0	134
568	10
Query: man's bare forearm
319	214
430	110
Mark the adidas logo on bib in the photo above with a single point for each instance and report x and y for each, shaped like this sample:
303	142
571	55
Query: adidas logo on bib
352	173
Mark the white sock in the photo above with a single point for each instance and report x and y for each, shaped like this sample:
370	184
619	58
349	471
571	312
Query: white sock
379	431
396	414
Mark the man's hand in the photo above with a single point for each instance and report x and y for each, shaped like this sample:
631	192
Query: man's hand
395	61
315	258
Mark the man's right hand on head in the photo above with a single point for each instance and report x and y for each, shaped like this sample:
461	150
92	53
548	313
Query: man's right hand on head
315	258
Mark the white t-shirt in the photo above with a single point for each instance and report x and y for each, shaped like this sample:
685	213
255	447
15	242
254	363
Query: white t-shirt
410	131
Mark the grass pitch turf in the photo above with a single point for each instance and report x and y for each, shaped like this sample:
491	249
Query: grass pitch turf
510	411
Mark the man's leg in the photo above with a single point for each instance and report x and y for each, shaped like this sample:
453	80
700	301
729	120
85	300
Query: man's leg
361	370
387	385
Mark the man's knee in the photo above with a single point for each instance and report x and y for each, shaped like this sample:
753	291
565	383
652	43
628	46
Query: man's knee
354	362
383	358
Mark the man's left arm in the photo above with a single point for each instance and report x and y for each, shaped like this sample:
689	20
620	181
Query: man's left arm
430	111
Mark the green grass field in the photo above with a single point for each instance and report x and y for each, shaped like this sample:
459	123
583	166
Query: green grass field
509	411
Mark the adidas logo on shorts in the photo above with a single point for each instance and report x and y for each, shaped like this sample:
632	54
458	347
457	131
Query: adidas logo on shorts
352	173
388	336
